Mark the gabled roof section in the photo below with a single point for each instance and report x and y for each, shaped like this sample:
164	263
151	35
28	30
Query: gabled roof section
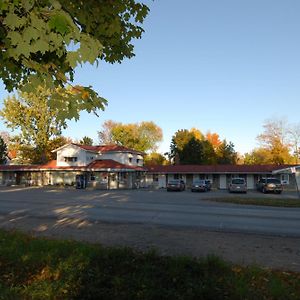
108	148
215	169
102	148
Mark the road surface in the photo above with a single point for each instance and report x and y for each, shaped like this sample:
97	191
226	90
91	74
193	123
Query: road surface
158	207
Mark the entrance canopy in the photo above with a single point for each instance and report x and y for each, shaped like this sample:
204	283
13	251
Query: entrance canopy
288	170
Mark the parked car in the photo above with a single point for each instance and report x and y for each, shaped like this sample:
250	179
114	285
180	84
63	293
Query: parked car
237	185
270	184
176	185
199	186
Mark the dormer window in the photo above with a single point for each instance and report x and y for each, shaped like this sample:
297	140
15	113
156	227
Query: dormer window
70	158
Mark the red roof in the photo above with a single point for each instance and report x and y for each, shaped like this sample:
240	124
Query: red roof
51	165
111	164
171	169
95	165
210	169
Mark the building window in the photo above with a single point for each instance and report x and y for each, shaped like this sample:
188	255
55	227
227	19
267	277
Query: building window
155	178
130	159
285	179
93	177
70	159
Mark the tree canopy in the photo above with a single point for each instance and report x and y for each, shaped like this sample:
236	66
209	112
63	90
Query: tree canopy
3	151
44	41
274	142
143	136
192	147
38	123
86	141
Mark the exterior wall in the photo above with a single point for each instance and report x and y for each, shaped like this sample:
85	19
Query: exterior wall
72	151
125	158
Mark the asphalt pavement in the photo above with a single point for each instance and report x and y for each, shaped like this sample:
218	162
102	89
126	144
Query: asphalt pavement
157	207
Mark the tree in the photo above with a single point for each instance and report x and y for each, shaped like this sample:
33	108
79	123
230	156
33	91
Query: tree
142	136
5	136
38	123
294	133
179	140
155	159
86	141
275	141
3	151
214	139
44	41
258	156
226	153
192	152
191	147
106	134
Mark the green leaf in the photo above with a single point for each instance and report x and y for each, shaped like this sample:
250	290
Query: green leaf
40	45
13	21
31	33
15	37
72	57
59	23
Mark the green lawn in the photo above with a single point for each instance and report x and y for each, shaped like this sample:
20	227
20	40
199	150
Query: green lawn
279	202
32	268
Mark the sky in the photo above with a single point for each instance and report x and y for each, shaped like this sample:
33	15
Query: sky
219	66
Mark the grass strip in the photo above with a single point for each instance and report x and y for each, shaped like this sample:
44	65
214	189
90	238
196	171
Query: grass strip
280	202
39	268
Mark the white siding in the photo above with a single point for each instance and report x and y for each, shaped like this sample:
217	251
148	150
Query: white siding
125	158
71	151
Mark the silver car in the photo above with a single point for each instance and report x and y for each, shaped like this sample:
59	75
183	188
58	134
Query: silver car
237	185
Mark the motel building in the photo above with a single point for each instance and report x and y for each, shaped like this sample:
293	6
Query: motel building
102	167
118	167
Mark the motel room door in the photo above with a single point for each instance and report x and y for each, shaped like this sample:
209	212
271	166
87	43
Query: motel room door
223	182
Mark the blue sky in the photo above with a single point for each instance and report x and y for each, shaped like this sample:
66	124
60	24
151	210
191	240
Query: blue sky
223	66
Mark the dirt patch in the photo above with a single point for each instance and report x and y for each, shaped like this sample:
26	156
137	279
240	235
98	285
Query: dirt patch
267	251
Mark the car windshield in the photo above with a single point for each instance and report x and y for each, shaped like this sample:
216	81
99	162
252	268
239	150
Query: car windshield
273	180
199	182
238	181
174	181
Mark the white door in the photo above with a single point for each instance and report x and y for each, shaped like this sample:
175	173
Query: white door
162	181
250	181
223	183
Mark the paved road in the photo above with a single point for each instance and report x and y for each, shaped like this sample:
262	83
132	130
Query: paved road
150	207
